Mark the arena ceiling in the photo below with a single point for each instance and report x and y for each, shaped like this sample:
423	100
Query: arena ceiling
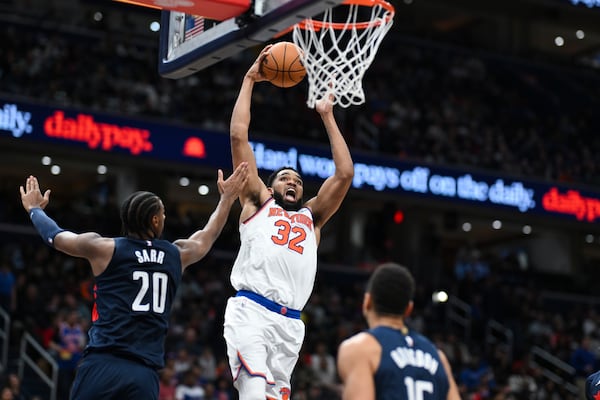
524	28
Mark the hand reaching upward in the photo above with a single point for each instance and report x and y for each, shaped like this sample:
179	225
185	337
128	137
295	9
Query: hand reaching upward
31	196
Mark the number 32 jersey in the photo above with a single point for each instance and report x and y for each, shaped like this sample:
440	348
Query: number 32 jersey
133	299
278	255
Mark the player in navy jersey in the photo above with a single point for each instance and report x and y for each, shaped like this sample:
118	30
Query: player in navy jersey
592	386
390	361
136	278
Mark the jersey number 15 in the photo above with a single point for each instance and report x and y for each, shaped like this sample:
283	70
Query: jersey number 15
416	388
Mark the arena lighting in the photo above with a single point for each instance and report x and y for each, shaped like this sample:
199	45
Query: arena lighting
526	229
559	41
589	238
46	160
203	190
439	297
398	217
466	227
184	181
101	169
579	34
497	224
55	170
155	26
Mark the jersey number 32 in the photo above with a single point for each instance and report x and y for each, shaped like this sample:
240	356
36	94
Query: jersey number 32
290	236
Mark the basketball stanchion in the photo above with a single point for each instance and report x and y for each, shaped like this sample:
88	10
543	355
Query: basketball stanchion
338	48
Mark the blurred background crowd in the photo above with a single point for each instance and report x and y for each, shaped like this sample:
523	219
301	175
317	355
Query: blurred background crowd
438	103
524	335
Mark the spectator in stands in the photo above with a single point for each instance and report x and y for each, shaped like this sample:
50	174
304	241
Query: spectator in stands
8	289
67	345
522	383
584	361
6	394
167	384
208	363
474	374
322	363
14	385
183	362
189	388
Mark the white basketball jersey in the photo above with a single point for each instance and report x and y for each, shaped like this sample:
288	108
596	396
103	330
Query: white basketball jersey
278	255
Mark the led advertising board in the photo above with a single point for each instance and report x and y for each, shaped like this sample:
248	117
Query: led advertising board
138	138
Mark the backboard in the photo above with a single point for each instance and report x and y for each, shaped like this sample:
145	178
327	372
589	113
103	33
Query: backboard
190	43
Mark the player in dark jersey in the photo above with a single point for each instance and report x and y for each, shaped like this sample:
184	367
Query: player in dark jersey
592	386
390	361
136	278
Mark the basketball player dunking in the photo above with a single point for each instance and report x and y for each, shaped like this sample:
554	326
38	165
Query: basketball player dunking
136	278
275	269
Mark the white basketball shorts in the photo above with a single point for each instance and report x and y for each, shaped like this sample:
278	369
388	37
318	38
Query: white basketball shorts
263	343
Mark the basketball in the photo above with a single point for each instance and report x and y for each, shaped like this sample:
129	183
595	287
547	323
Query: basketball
282	66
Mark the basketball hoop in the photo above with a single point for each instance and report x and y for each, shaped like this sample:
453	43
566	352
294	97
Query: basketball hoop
338	53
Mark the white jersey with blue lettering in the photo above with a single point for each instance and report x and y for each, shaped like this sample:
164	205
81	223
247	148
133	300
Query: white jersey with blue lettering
278	255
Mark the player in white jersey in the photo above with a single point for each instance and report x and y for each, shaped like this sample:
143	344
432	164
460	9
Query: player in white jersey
276	265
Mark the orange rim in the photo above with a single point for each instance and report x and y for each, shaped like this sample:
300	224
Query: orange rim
318	25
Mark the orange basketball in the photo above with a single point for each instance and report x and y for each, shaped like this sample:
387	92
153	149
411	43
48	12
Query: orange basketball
282	65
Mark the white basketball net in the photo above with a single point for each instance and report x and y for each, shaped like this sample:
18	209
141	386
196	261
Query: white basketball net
337	54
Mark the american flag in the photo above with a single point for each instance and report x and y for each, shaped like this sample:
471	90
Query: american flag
193	26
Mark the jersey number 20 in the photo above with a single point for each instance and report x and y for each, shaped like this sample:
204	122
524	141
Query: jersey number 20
156	282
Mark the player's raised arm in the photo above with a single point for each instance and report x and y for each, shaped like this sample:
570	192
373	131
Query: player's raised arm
91	246
356	362
241	151
453	393
200	242
334	189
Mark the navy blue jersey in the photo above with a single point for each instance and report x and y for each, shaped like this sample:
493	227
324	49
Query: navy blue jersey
133	299
410	367
592	386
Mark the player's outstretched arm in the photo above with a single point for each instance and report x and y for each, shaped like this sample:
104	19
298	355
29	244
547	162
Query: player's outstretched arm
357	361
91	246
200	242
334	189
241	151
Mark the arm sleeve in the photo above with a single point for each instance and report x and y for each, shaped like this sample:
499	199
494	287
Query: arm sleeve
45	225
